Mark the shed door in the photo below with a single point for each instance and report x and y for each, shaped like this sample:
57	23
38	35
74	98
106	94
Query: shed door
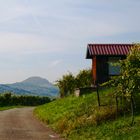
102	69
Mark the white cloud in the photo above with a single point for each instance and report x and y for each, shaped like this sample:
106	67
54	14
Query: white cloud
55	63
11	10
25	43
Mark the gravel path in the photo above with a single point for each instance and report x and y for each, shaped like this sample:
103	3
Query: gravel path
19	124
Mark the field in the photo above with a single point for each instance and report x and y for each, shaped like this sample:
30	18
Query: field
82	119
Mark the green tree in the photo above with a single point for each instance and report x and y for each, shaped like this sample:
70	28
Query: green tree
7	97
84	78
128	83
66	84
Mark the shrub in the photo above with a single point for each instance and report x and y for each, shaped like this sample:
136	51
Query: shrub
84	78
9	99
68	82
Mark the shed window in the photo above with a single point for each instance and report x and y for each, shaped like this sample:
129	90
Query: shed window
114	70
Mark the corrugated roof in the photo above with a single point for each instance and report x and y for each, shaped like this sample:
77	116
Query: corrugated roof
107	49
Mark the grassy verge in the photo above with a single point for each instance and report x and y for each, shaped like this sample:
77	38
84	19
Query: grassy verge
9	107
81	118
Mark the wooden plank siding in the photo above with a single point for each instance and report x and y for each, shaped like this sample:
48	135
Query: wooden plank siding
100	69
94	69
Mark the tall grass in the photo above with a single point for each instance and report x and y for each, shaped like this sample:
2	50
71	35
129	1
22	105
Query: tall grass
82	119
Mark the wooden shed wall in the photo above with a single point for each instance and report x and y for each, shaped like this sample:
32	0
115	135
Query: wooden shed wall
100	69
94	68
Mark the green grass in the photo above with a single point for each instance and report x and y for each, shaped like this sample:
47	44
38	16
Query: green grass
81	118
119	129
8	107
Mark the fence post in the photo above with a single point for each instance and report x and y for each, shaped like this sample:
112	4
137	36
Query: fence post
117	107
98	97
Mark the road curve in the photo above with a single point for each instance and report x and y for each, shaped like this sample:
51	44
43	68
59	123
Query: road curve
19	124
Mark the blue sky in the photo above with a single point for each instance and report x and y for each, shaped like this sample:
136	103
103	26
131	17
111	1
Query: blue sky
48	38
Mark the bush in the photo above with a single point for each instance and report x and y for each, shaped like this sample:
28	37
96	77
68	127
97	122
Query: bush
68	82
9	99
84	78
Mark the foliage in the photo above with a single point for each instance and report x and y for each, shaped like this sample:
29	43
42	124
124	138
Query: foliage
84	78
128	83
68	82
9	99
129	80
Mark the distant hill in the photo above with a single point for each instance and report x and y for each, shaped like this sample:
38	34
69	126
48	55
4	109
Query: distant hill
6	88
37	81
32	86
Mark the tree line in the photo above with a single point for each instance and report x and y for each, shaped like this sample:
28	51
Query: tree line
9	99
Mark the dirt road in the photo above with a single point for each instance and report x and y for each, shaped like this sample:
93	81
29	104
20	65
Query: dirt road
19	124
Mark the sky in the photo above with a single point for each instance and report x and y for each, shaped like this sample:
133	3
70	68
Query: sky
48	38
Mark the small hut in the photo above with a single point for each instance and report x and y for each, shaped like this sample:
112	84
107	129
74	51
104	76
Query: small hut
103	55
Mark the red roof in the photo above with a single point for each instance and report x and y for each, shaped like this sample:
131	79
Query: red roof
107	49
